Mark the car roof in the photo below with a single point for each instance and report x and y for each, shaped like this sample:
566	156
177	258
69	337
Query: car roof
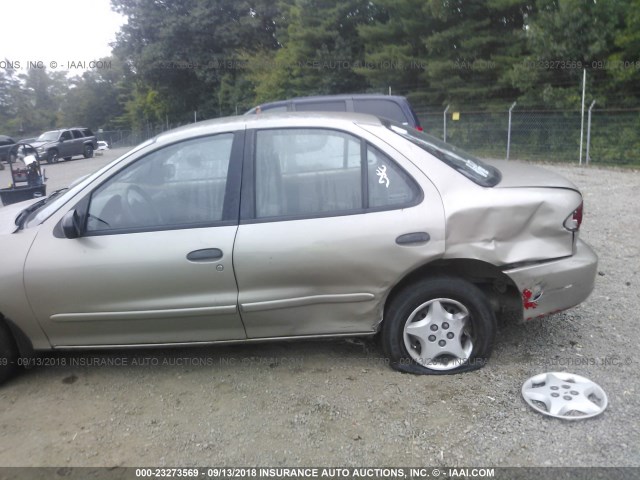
269	120
341	96
338	97
5	138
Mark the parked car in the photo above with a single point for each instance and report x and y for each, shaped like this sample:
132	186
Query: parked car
102	145
66	143
5	146
384	106
271	227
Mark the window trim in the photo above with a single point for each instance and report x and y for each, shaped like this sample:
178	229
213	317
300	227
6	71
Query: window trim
248	194
230	206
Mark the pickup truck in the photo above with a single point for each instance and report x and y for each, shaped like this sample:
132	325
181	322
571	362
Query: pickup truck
66	143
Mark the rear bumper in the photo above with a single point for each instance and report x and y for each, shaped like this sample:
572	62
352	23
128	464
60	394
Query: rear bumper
554	286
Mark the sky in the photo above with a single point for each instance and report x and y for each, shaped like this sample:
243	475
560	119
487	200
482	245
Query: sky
58	33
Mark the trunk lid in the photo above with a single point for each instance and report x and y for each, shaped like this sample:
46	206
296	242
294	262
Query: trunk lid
520	175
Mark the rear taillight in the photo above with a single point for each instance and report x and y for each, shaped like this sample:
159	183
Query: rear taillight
573	221
420	129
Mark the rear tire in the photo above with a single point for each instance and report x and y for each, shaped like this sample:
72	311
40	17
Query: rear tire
88	151
8	353
438	326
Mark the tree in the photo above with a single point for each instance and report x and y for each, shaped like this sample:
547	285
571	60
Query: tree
319	50
394	49
186	49
97	98
564	37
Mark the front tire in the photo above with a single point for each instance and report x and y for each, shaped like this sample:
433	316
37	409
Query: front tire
8	353
52	156
442	325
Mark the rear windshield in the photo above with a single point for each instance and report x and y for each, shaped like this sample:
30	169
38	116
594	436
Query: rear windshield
465	163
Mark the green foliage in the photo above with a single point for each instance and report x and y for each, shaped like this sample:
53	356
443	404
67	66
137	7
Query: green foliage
30	102
219	57
98	97
565	37
319	49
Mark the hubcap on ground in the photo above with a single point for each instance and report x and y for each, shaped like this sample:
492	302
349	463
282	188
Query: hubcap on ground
564	395
436	334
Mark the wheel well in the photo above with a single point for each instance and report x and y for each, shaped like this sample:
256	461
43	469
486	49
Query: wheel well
502	293
25	347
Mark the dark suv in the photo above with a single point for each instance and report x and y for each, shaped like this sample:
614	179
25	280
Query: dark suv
385	106
66	143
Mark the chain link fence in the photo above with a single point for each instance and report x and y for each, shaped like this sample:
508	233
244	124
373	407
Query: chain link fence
612	138
540	135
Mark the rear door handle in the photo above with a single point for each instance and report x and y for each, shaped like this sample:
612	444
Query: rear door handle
205	255
415	238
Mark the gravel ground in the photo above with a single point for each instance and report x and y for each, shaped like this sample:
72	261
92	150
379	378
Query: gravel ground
336	403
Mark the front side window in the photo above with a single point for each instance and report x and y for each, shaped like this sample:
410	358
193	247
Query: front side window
307	172
77	133
66	135
179	185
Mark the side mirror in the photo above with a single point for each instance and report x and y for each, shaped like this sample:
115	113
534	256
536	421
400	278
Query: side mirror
71	224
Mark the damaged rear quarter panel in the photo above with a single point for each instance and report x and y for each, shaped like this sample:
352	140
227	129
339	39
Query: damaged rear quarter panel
509	225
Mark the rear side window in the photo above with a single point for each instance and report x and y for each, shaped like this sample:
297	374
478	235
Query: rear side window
330	106
381	108
307	172
8	141
388	184
77	133
319	172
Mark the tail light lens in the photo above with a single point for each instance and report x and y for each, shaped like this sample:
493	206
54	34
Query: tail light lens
420	129
573	221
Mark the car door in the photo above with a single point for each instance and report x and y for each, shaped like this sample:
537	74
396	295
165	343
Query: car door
330	223
78	145
66	145
152	261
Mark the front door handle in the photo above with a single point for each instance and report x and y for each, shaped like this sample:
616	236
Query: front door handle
205	255
415	238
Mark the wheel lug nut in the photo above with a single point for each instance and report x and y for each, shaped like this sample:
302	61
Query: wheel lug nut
445	325
573	392
554	388
442	343
555	395
434	328
450	335
567	397
432	338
